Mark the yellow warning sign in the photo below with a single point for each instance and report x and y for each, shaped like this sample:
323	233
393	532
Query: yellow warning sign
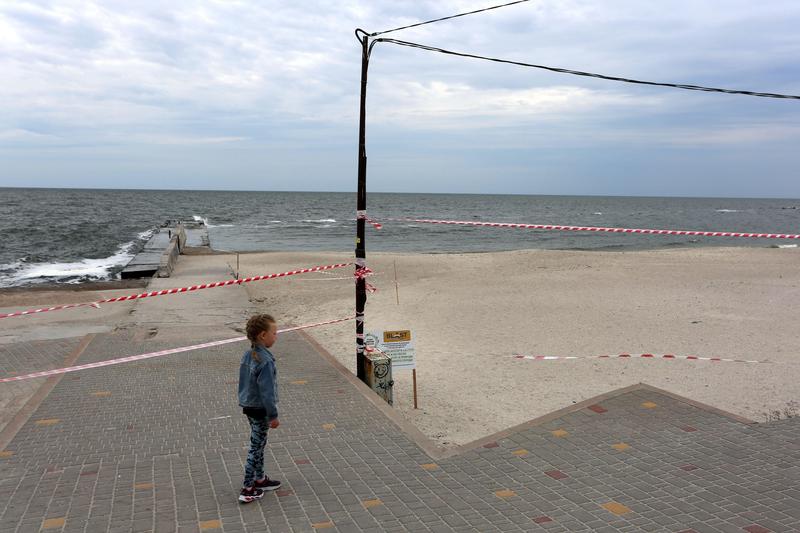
396	344
397	336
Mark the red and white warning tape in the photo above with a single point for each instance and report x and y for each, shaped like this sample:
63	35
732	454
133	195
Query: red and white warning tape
364	272
177	290
156	354
337	279
363	215
640	356
601	229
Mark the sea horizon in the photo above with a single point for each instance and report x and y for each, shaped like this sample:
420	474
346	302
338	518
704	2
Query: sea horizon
76	235
574	195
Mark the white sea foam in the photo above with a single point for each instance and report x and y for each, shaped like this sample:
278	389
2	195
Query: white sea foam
85	269
787	246
597	213
727	210
204	220
207	224
16	265
321	220
69	272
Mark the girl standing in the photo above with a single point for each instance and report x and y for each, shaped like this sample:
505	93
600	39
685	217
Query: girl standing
258	397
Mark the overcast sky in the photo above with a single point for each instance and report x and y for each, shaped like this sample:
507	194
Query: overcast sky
263	95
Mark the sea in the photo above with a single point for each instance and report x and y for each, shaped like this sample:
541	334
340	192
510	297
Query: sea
70	236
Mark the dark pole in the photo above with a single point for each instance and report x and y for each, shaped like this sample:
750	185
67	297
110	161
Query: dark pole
361	253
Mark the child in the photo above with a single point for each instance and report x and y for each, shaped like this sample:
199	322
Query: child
258	397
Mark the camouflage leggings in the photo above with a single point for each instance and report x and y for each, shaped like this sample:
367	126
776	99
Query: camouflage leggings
254	467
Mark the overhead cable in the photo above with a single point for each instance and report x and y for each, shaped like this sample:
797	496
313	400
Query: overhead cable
447	18
687	87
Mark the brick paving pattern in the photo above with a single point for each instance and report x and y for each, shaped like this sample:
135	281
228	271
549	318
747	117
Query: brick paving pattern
22	358
159	446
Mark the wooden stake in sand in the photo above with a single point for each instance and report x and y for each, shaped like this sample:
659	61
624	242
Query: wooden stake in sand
396	289
414	378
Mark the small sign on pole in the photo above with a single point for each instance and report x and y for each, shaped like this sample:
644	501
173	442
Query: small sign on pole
399	346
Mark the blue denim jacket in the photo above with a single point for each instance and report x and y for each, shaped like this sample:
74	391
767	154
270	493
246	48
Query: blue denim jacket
258	382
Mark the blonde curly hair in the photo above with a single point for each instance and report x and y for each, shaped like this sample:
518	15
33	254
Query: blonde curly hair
255	326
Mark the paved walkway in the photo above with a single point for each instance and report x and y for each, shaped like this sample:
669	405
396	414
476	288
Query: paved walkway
159	445
23	358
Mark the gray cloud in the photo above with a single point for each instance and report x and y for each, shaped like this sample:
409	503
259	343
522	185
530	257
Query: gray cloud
271	90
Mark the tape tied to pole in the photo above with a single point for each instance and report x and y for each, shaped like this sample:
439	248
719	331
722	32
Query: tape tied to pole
361	273
362	215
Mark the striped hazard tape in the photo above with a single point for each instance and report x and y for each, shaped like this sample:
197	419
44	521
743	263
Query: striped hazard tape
176	290
161	353
639	356
362	215
555	227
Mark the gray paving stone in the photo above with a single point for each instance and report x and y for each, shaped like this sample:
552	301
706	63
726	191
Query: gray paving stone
164	452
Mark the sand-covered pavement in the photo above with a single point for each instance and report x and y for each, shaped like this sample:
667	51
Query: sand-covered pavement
220	311
74	322
470	313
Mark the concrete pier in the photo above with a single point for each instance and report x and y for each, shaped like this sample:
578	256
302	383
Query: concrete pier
159	255
196	235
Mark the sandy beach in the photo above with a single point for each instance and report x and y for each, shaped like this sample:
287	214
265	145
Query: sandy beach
470	313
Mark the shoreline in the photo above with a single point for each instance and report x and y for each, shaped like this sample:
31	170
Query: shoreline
113	284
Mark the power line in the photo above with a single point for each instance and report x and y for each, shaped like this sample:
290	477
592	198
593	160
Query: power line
586	74
447	18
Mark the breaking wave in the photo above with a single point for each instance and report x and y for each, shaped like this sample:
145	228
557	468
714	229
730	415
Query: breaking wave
20	272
